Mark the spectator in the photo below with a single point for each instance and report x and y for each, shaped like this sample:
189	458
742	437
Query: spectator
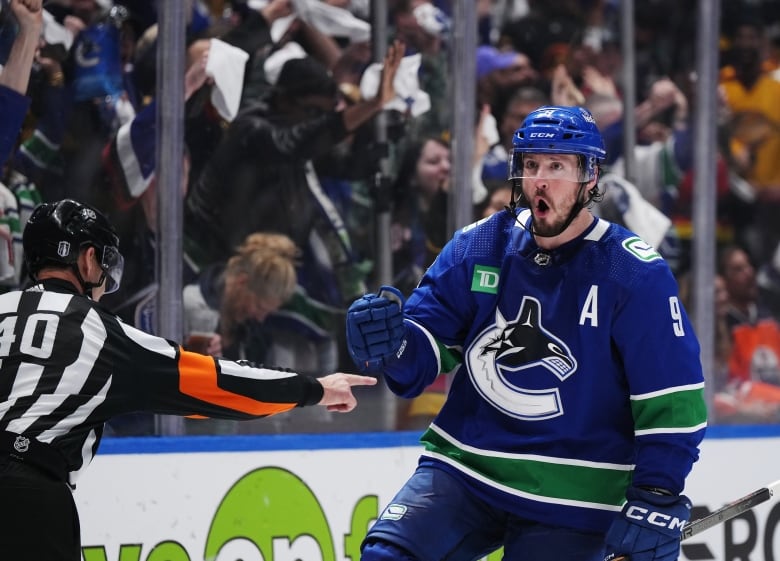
718	378
499	73
524	100
753	390
97	101
755	333
273	140
38	156
15	76
232	300
499	199
750	94
130	197
261	178
547	28
739	274
419	218
424	29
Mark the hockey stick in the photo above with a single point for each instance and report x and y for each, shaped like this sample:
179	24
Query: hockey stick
727	512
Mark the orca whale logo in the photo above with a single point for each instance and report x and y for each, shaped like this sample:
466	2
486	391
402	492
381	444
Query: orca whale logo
508	347
523	343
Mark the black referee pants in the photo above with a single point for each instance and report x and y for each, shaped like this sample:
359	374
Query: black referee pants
40	522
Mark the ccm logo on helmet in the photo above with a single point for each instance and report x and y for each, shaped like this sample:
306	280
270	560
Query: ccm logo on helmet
655	518
541	135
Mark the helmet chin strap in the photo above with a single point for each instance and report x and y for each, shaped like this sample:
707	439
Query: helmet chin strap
575	209
86	287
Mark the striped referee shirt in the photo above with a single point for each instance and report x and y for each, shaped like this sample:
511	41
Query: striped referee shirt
67	366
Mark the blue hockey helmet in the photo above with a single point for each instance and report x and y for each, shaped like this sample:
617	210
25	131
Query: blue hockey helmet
558	130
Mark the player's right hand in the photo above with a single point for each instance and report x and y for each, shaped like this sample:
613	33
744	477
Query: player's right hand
649	527
375	329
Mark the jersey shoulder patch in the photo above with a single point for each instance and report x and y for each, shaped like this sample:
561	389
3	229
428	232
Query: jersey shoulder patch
640	249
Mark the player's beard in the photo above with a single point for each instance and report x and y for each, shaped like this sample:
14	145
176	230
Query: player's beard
555	221
547	228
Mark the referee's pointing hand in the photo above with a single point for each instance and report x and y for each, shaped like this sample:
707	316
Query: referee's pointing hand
338	390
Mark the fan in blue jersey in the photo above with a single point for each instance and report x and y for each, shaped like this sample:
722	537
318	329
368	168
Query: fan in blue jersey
576	404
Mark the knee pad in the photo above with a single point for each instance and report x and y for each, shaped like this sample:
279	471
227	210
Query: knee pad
380	550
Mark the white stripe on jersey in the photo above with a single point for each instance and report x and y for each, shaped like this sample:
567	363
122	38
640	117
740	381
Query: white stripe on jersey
77	417
26	380
73	377
54	301
228	368
9	302
86	456
150	342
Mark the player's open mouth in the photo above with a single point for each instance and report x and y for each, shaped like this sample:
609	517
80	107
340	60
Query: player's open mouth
541	207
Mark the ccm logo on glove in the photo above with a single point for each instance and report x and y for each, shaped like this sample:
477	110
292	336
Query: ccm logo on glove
401	349
656	518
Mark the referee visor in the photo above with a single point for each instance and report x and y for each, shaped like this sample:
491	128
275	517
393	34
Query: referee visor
113	265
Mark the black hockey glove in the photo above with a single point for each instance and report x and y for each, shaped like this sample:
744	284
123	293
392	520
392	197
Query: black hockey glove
649	526
375	329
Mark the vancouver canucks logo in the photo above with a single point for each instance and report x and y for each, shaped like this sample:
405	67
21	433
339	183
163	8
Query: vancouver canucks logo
508	348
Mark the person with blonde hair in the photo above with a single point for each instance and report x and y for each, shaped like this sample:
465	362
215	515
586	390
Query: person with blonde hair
225	308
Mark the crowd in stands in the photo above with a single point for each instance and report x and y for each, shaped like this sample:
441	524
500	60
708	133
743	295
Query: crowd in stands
281	157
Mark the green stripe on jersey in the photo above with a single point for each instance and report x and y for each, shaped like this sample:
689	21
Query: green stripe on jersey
670	411
450	358
545	478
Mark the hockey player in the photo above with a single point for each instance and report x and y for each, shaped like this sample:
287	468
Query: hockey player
68	366
576	405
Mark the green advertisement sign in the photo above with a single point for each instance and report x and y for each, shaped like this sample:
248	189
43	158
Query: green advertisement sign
270	514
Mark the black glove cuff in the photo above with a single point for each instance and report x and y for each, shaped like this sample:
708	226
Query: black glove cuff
652	495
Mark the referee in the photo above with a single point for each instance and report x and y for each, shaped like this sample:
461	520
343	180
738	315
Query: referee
67	366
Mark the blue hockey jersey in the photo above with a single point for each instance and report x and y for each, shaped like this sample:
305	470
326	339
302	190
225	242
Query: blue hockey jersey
576	371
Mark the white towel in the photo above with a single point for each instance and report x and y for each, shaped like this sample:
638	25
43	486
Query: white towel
273	64
54	33
226	65
332	20
409	96
432	19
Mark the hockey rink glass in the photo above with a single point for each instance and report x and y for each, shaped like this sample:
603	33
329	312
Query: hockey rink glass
113	264
551	167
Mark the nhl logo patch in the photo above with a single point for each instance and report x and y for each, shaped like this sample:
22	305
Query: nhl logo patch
63	249
542	259
21	444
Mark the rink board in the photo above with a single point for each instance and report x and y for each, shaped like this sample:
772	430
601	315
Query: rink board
312	497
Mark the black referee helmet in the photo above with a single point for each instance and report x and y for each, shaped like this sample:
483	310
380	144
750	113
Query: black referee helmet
56	233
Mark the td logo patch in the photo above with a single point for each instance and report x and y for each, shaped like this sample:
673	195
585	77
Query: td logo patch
485	279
